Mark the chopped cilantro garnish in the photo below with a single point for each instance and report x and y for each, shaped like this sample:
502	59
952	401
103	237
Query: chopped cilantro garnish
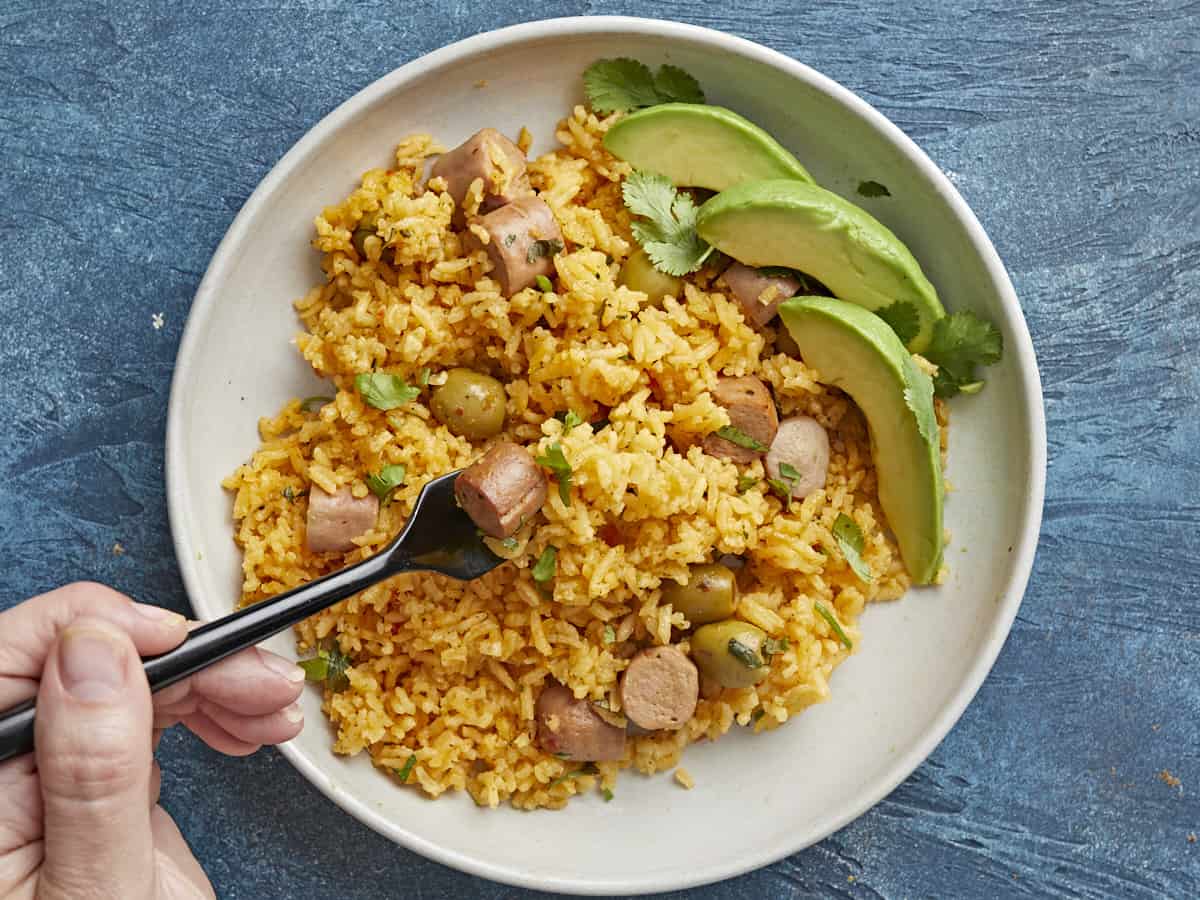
961	341
388	479
903	319
546	566
510	543
833	623
384	391
850	541
667	229
328	666
745	482
606	794
404	771
873	189
739	437
312	404
423	377
554	460
781	489
758	713
621	85
570	420
610	634
745	655
587	769
543	248
919	396
544	284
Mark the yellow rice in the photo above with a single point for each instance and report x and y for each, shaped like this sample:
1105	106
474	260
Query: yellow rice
450	671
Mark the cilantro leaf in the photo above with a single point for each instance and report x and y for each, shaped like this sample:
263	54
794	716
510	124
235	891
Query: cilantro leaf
388	479
667	229
544	284
540	249
873	189
384	391
960	342
510	543
850	541
918	394
739	437
780	488
610	634
554	460
570	420
547	565
771	646
328	666
745	482
619	85
312	404
406	770
606	794
674	85
833	623
902	317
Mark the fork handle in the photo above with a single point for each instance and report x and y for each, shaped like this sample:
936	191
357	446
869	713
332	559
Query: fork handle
213	641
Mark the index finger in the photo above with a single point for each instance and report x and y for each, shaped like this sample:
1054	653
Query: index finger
28	631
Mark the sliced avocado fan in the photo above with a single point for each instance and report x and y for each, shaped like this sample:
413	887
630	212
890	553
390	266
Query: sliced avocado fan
802	226
696	145
855	350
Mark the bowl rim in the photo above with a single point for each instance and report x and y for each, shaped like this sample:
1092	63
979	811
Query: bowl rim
180	507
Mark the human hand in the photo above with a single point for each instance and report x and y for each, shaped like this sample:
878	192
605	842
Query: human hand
80	818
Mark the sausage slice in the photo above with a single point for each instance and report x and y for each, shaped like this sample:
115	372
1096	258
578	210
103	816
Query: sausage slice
523	239
334	520
489	155
750	288
571	728
751	411
802	443
501	490
660	688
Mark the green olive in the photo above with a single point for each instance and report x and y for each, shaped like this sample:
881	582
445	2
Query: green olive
365	229
784	342
470	404
730	653
709	595
639	274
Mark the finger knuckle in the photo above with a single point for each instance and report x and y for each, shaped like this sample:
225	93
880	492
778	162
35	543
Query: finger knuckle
104	764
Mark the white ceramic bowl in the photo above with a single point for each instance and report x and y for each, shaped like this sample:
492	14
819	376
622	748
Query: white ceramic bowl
757	799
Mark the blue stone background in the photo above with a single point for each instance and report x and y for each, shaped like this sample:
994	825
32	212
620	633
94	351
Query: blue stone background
131	134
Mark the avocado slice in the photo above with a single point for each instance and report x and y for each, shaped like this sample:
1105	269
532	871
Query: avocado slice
855	350
802	226
696	145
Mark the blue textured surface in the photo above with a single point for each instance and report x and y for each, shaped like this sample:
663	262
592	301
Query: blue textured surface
131	134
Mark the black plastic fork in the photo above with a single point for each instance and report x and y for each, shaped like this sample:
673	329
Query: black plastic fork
438	537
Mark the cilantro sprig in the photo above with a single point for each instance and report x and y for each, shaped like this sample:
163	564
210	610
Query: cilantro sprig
386	481
903	319
667	227
849	539
834	624
961	341
554	460
621	85
739	437
383	390
328	666
547	565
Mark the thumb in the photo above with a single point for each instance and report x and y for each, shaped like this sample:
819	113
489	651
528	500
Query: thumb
93	755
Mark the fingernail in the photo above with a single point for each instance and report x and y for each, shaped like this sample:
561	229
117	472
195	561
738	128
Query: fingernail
281	666
294	714
92	665
158	614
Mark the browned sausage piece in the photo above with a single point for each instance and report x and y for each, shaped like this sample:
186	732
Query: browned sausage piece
660	688
751	411
501	490
571	728
523	239
489	155
750	287
334	520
